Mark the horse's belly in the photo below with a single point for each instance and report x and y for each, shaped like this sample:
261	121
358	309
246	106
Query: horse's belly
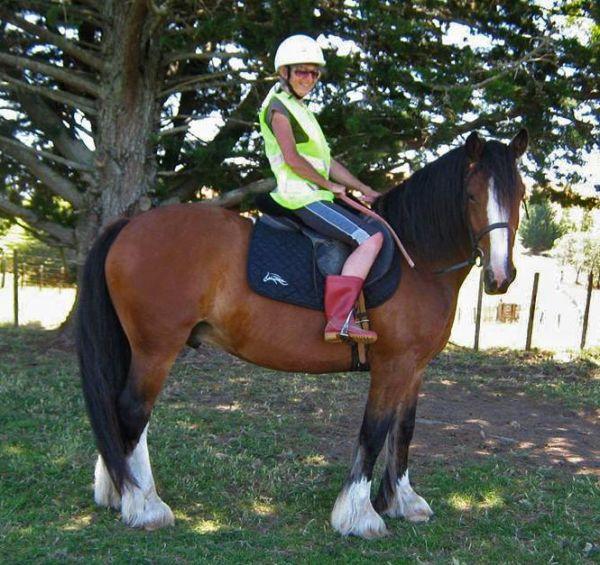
276	342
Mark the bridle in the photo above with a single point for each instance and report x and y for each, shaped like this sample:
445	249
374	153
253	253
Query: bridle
477	256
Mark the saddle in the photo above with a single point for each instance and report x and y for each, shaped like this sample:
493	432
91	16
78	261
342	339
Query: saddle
289	261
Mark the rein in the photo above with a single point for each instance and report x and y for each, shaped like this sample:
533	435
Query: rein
368	212
476	257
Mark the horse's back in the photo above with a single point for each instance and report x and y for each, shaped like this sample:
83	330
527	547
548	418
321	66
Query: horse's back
164	266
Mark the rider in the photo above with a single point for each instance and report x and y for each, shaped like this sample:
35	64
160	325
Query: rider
308	180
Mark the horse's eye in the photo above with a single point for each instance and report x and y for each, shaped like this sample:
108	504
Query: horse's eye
472	198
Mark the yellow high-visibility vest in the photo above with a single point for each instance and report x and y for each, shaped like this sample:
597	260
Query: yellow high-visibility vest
294	191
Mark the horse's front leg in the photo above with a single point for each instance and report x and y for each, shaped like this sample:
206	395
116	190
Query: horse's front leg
396	497
353	513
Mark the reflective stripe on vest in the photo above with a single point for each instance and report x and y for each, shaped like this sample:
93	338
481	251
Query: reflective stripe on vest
294	191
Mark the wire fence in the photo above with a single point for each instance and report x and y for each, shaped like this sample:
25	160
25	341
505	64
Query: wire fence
35	289
562	314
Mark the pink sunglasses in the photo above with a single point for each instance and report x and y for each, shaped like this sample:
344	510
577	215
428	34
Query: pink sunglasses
302	73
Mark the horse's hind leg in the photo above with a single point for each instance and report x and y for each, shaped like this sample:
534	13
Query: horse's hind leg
141	507
396	497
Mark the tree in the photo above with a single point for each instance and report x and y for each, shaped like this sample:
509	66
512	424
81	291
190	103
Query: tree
587	222
581	250
99	96
540	230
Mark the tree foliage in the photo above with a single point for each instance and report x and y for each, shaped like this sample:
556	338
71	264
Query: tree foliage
580	250
102	100
540	230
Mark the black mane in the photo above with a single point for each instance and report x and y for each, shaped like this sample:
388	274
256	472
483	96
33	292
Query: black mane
428	210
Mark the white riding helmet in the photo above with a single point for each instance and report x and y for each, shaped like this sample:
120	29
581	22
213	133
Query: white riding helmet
298	49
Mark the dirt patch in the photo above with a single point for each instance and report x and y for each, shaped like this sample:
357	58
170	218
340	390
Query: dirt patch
455	421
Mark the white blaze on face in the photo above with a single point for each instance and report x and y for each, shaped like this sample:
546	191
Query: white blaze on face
499	236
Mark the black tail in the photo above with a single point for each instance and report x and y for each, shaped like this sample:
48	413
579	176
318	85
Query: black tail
104	356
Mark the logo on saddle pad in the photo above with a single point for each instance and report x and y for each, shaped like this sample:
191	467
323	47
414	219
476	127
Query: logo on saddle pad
275	278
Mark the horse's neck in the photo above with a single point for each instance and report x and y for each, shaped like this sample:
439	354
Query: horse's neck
443	285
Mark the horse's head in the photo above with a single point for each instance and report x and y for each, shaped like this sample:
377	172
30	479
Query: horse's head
493	192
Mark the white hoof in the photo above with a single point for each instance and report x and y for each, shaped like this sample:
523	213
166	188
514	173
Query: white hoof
408	504
147	512
354	515
105	493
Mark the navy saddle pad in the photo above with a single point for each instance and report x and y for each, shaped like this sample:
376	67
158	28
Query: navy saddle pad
286	265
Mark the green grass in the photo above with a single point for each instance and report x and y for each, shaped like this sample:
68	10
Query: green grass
243	456
576	383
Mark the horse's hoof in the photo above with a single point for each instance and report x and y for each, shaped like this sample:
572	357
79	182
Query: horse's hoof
152	514
354	515
407	504
419	512
411	507
369	526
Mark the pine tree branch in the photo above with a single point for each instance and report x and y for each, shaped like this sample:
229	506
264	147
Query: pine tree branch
61	234
45	154
65	76
72	100
234	197
56	183
44	118
58	40
227	200
192	55
234	127
542	52
486	120
189	83
70	9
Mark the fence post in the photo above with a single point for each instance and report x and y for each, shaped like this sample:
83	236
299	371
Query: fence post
586	313
16	288
536	278
478	314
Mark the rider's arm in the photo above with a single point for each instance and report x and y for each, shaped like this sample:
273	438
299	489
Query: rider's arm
282	129
340	174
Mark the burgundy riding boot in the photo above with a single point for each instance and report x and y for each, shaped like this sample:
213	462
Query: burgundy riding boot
341	293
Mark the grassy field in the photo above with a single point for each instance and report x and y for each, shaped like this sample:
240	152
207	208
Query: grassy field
249	461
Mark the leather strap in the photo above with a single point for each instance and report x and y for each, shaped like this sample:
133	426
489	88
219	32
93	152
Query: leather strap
368	212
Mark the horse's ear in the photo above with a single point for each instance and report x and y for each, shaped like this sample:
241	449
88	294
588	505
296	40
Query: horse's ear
474	147
519	143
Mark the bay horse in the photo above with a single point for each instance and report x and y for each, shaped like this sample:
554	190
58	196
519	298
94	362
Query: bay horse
152	282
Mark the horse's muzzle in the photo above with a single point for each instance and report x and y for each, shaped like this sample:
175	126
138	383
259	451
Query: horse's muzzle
493	285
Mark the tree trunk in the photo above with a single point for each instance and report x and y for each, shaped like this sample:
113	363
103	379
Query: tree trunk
129	111
128	119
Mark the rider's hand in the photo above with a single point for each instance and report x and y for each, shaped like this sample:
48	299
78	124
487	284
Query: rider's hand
336	188
368	195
